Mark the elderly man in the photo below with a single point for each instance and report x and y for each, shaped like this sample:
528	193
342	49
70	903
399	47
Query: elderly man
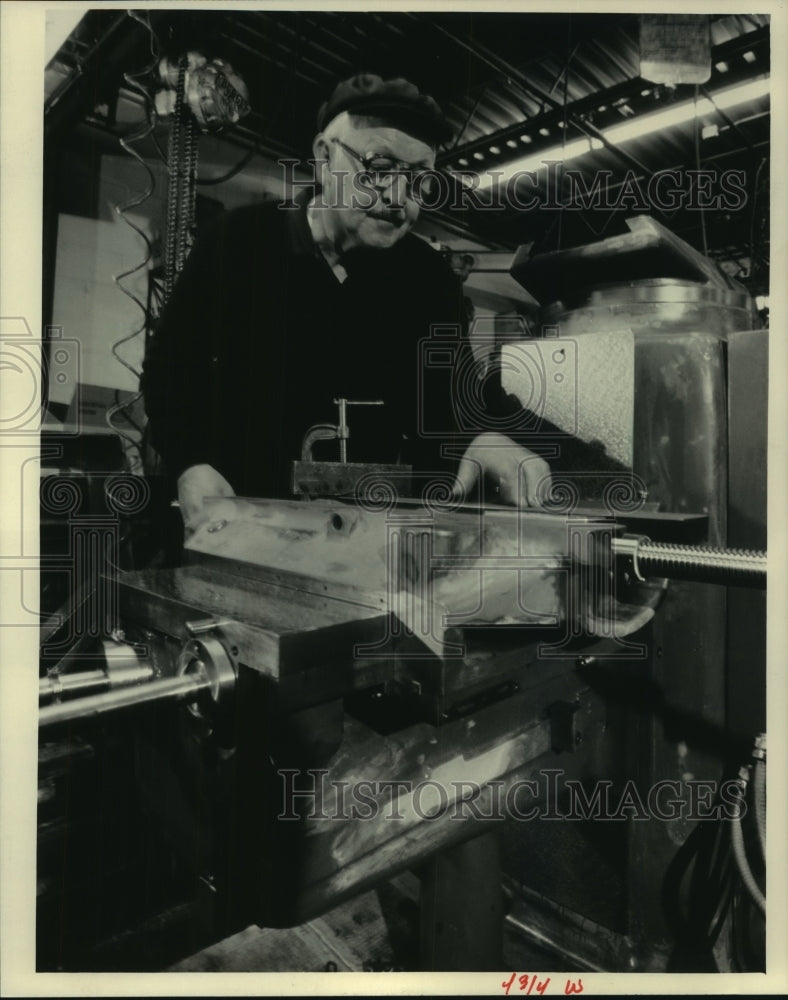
279	311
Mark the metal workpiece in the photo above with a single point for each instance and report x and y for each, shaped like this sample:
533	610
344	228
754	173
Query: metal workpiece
368	550
732	567
430	567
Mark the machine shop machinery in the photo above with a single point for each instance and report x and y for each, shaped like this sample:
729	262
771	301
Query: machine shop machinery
437	654
446	658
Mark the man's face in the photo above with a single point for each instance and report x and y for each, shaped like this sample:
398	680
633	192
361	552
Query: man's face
363	212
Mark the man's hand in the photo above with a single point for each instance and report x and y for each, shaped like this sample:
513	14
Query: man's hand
521	477
195	485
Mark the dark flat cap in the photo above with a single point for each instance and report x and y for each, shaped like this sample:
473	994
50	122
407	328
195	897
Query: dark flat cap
397	101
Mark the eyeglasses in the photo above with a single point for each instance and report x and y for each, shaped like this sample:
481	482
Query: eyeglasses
382	170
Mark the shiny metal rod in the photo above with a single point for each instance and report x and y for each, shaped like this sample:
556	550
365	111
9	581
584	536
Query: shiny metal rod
731	567
86	682
186	687
83	682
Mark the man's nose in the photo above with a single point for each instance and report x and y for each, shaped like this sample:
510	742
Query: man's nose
394	190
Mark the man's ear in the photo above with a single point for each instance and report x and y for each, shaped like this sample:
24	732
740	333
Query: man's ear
320	149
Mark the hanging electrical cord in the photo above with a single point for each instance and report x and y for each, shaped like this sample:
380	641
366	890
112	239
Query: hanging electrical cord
128	143
208	181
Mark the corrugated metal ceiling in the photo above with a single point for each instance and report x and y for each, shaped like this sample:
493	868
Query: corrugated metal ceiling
496	75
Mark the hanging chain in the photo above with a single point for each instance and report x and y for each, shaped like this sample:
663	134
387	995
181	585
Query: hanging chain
182	156
187	220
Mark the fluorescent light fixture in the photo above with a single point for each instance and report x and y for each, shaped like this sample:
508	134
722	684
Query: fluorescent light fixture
678	114
536	161
635	128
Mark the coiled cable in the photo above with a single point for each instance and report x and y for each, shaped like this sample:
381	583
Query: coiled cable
128	143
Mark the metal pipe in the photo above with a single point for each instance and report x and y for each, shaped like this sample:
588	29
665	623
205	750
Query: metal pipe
732	567
185	687
90	681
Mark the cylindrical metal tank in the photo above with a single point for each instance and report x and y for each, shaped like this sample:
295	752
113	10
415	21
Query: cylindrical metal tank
674	309
652	305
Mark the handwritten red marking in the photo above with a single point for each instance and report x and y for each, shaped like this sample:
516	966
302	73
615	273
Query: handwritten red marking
527	983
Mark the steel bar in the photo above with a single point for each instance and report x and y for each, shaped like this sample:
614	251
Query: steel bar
186	687
57	685
93	681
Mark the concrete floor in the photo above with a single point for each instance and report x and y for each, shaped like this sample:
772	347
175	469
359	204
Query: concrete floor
353	937
376	932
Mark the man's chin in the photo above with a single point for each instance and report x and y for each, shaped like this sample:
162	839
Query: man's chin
381	233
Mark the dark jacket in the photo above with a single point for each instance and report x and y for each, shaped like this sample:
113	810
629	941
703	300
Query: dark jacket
259	337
